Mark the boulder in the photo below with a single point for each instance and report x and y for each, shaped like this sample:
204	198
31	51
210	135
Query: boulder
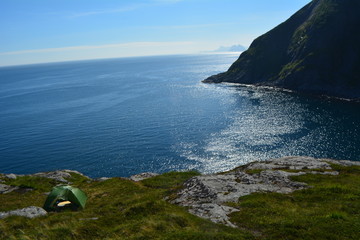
142	176
11	176
6	188
29	212
59	175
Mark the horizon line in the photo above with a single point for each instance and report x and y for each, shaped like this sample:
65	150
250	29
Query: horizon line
120	57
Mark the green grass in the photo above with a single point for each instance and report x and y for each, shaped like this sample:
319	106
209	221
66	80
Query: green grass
116	209
254	171
123	209
290	68
169	180
328	210
36	183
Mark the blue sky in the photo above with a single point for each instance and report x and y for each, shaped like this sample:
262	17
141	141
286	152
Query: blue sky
61	30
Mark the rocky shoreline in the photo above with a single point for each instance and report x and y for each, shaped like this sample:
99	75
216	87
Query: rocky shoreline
207	196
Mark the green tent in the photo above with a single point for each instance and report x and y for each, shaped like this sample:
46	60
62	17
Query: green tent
73	197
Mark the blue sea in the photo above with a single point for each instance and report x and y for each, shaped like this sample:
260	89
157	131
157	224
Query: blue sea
119	117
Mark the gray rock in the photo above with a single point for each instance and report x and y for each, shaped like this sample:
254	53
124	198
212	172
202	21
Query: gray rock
56	175
76	172
102	179
11	176
29	212
7	189
206	196
85	219
293	163
217	213
142	176
59	175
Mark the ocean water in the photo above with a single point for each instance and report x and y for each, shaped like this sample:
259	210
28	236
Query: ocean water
119	117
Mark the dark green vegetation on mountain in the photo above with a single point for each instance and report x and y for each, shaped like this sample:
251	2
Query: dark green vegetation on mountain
122	209
315	51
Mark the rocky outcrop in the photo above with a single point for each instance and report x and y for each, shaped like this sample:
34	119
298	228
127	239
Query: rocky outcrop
142	176
63	177
315	51
59	175
29	212
206	196
7	189
10	176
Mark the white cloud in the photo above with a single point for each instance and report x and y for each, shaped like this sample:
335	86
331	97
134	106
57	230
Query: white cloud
72	53
75	48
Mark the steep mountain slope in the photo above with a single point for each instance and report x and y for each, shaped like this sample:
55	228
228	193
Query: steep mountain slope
316	51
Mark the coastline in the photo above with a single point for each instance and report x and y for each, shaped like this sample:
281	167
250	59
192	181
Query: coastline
187	205
214	188
282	89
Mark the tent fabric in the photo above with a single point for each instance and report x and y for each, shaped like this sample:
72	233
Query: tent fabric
65	193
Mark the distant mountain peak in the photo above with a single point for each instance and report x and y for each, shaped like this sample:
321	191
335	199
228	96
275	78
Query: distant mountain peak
233	48
317	51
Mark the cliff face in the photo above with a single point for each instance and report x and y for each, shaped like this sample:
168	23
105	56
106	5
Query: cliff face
316	51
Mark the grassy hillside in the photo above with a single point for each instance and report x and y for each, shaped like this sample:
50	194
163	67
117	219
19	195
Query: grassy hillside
315	51
122	209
